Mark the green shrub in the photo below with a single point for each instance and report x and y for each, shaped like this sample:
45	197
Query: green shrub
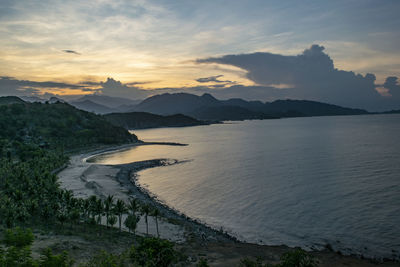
17	257
18	237
246	262
297	258
49	260
154	252
104	259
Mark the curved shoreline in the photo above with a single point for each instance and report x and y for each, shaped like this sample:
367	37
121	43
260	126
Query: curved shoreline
194	230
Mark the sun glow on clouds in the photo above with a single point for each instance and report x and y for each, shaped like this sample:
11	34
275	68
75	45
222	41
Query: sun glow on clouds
157	42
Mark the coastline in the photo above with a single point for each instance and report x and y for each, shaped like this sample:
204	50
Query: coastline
185	231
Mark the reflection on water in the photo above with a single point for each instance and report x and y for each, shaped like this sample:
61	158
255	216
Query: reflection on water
136	153
301	182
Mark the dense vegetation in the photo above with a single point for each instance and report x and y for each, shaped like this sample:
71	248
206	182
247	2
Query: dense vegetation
33	138
32	142
56	126
150	251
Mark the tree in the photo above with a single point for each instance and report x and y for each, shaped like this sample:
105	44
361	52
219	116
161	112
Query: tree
99	210
108	206
131	223
112	220
74	216
154	252
120	209
62	218
145	210
155	212
133	206
92	206
85	205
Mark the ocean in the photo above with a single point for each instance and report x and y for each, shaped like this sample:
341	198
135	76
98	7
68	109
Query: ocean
304	182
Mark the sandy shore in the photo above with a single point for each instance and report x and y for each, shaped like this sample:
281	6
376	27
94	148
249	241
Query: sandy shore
86	178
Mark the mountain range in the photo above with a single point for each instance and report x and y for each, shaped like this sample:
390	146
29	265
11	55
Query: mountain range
208	108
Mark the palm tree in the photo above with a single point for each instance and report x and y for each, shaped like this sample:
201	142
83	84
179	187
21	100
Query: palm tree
112	220
92	207
145	209
68	196
108	205
133	206
120	209
156	213
85	212
99	210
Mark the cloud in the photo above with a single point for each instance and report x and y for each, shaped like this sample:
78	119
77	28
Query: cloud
210	79
217	83
71	52
112	87
393	86
313	76
12	86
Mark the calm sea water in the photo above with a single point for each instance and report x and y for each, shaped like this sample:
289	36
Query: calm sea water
300	182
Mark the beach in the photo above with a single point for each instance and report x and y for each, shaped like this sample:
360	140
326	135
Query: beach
85	178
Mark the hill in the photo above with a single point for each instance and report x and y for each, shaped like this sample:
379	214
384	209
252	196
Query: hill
8	100
206	107
102	104
394	111
141	120
168	104
225	113
308	108
108	101
56	125
90	106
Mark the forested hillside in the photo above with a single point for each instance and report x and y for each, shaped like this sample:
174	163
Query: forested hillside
33	139
57	125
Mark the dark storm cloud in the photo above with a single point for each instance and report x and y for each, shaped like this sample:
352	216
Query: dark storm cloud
71	52
392	84
312	75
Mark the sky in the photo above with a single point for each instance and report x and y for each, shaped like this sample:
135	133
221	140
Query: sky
343	52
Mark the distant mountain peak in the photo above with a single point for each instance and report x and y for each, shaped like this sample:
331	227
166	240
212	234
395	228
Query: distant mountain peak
209	97
54	99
